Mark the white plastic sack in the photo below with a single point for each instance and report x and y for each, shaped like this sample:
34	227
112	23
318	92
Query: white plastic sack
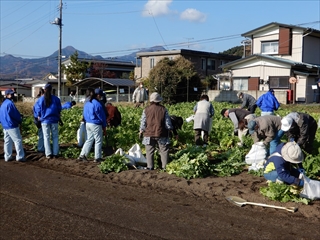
189	119
81	134
311	188
136	154
257	153
130	158
256	166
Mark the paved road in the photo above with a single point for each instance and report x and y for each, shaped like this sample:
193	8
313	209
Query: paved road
38	203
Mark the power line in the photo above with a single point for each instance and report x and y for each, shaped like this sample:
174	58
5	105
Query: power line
157	27
24	16
15	10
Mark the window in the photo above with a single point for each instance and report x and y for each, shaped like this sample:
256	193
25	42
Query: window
151	63
211	64
240	84
203	64
279	82
269	47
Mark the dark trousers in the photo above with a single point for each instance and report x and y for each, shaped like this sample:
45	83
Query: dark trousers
252	109
138	104
197	137
308	146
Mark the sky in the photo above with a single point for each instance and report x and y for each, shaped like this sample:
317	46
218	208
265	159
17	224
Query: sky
116	28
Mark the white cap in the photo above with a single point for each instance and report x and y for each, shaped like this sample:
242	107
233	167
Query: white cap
286	123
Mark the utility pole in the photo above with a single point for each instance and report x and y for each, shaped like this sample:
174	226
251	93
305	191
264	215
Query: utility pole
58	22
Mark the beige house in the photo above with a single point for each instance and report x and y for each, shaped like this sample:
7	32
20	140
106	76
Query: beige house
206	63
283	57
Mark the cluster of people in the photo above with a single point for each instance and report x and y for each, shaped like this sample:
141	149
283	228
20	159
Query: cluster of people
157	127
97	115
300	129
46	112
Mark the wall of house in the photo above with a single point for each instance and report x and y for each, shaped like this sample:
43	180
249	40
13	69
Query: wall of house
311	50
296	53
231	96
261	71
144	69
304	91
264	36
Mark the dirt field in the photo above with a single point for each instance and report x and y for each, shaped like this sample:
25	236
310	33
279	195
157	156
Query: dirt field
67	199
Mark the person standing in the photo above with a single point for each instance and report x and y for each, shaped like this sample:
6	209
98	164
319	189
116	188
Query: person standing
10	119
268	103
203	113
72	96
101	97
40	145
48	110
155	125
248	102
301	128
268	129
140	95
96	122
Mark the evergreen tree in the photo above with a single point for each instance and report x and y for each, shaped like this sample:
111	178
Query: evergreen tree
76	70
175	80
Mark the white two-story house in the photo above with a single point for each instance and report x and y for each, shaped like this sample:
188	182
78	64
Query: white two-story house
283	57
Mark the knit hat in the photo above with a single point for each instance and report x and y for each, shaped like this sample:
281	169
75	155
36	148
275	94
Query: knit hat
286	123
9	92
239	94
251	125
47	86
155	97
98	91
291	152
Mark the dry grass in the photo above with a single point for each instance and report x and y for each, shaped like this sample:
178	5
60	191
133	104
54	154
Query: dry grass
25	108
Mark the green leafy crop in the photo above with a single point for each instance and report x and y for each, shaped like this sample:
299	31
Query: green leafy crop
282	193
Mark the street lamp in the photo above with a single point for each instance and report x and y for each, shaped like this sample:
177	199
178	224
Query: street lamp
58	22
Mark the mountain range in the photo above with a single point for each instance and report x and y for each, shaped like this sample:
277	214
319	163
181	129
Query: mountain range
16	67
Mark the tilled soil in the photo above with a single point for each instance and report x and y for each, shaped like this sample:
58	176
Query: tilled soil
67	199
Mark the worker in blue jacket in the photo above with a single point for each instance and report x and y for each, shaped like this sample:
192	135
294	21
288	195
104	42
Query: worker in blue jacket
10	119
268	103
96	122
285	164
48	110
40	145
68	105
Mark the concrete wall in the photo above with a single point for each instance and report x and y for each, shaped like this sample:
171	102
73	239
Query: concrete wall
231	96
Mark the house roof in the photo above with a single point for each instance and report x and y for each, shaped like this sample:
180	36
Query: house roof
185	52
276	24
268	57
104	61
96	82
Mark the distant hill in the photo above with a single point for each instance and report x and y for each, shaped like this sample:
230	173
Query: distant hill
16	67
